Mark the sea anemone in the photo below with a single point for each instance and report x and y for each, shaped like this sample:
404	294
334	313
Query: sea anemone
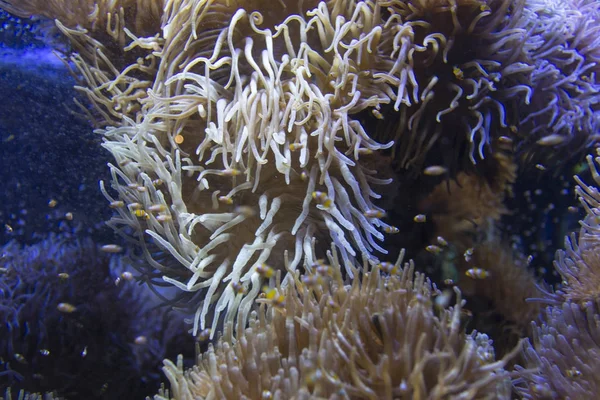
563	115
579	263
467	62
68	328
524	70
562	362
379	338
249	130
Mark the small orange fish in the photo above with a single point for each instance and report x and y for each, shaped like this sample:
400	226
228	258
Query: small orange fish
238	287
551	140
116	204
388	267
322	199
141	214
111	248
435	170
420	218
66	308
391	230
433	249
374	214
265	271
477	273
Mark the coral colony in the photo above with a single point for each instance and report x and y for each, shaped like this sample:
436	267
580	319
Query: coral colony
274	163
